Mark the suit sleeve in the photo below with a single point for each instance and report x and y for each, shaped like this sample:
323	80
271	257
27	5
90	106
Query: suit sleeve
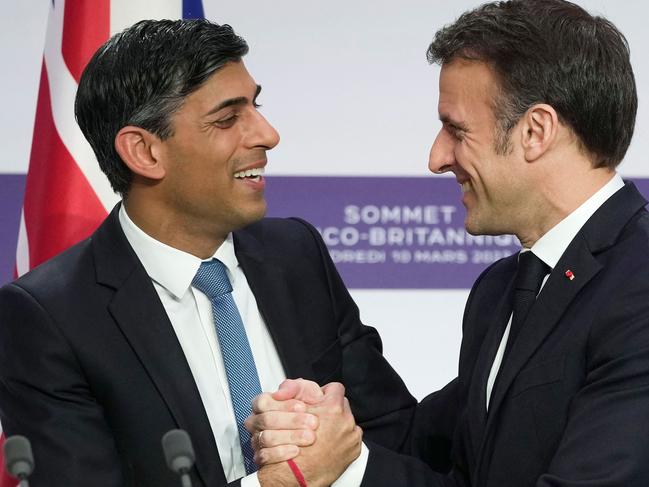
427	463
44	396
386	468
605	438
381	403
427	457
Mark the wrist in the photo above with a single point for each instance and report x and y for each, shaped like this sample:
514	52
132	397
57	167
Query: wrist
319	476
276	475
297	473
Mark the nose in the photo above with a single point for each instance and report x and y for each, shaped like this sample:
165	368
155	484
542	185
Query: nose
442	158
263	134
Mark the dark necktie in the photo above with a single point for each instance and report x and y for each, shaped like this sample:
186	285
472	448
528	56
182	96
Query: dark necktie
529	277
212	280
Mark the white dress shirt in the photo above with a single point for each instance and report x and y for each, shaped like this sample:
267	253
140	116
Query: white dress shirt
551	246
190	312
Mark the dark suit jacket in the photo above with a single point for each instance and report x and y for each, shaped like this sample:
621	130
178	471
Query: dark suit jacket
571	404
91	370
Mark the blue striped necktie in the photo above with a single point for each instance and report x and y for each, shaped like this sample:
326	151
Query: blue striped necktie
212	280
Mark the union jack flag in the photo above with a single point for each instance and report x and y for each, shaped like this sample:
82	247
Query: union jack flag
66	194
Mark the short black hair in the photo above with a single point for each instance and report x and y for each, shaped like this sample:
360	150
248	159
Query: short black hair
141	76
554	52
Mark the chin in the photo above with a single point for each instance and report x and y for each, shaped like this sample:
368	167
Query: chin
475	226
252	215
471	226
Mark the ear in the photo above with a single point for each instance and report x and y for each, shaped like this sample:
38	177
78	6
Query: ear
138	149
540	127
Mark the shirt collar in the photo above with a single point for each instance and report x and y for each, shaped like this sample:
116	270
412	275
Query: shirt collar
551	246
171	268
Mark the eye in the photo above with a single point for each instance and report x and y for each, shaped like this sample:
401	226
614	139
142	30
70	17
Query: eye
227	121
455	132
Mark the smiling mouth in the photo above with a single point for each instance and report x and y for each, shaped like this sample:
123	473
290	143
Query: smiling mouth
250	174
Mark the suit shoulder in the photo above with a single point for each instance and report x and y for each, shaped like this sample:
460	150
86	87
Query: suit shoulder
287	231
282	225
59	275
631	249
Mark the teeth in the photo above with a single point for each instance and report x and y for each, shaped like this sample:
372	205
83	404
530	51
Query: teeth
250	173
466	187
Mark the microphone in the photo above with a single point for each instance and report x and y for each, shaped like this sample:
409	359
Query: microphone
179	454
19	460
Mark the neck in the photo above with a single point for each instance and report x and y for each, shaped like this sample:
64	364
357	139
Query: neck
558	194
172	229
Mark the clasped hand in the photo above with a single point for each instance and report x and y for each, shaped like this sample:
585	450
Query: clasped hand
313	426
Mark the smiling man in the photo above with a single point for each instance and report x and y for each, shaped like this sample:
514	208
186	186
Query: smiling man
185	303
537	101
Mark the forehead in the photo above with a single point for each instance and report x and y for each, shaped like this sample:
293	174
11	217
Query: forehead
467	90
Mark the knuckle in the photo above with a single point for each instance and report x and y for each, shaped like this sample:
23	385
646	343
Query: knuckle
262	402
338	388
290	405
255	402
256	423
308	436
299	437
301	420
306	383
293	439
266	439
264	421
262	457
337	409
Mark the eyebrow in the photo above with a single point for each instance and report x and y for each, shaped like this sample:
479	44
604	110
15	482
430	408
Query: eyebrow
447	120
239	100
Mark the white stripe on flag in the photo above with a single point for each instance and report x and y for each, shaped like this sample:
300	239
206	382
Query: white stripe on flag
22	249
63	88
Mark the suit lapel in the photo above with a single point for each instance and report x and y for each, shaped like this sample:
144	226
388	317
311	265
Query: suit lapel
140	315
477	400
599	233
270	286
554	299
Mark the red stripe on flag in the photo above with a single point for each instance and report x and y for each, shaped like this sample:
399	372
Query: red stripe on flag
60	206
86	26
5	479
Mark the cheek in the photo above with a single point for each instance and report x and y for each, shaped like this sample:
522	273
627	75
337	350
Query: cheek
225	144
468	157
479	155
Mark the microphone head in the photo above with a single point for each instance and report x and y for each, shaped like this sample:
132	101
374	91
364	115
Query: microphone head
178	450
19	460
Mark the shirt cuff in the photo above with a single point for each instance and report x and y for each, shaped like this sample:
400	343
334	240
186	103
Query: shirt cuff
353	476
250	481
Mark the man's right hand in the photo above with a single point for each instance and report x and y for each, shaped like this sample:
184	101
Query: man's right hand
280	423
337	438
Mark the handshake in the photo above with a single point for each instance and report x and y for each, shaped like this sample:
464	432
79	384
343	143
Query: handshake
310	426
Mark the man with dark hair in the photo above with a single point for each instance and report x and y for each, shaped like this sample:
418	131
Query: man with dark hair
185	304
537	101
